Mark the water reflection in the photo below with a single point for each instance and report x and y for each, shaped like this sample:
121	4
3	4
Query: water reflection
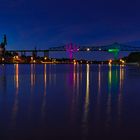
76	79
108	121
98	96
32	86
81	73
115	86
70	75
74	75
86	105
33	75
87	98
44	97
121	76
99	79
73	84
16	101
52	74
16	78
122	68
3	81
45	79
110	77
14	111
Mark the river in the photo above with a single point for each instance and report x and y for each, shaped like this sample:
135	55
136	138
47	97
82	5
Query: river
66	101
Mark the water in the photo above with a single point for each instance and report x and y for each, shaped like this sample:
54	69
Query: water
69	102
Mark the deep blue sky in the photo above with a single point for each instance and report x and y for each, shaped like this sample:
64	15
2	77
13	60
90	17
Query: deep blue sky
50	23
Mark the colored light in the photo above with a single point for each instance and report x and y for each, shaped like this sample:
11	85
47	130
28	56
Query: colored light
113	50
110	61
74	61
70	48
122	61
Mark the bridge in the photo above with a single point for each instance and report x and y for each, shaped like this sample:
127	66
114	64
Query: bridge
114	48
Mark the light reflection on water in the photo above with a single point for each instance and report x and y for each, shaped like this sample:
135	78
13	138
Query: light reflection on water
16	101
86	104
33	75
110	76
55	100
45	79
16	77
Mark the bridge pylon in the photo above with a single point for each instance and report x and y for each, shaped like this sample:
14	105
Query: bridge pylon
46	53
115	52
70	49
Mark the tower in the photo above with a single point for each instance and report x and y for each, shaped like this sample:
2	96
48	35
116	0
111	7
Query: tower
115	49
115	52
2	46
70	49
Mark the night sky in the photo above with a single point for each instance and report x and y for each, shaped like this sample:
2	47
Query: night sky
52	23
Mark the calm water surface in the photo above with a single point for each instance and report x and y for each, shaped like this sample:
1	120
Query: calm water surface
43	102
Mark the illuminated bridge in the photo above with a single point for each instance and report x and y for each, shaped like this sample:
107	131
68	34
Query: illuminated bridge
114	48
121	47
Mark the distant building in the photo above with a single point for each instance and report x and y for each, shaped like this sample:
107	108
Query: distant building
2	46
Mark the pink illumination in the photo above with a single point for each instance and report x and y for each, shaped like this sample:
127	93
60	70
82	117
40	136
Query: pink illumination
70	48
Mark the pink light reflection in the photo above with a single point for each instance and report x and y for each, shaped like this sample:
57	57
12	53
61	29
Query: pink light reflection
70	49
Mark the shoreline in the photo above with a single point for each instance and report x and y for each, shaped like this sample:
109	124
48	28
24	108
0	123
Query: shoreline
126	64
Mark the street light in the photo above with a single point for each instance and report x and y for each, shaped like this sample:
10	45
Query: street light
122	61
110	61
74	61
32	58
45	58
88	49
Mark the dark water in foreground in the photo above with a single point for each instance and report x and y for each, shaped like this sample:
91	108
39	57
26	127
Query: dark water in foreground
42	102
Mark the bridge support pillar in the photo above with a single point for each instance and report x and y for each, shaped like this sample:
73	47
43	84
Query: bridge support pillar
23	53
46	54
34	53
115	52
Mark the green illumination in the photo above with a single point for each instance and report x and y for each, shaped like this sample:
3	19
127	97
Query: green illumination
113	50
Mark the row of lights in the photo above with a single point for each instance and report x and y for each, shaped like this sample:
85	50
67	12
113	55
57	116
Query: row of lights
88	49
121	61
34	61
16	57
87	62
